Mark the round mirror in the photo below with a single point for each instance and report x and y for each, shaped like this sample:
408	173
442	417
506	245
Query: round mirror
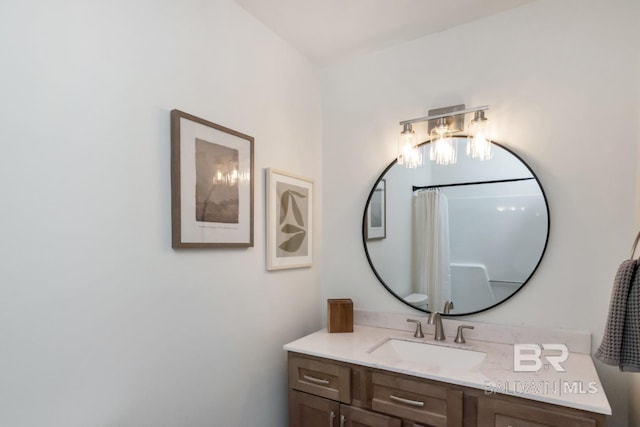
472	233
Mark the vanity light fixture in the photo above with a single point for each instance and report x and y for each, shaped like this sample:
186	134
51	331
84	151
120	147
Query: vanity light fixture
478	142
409	154
443	123
444	150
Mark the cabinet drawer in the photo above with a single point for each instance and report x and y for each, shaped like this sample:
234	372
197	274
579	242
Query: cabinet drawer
416	400
320	377
496	412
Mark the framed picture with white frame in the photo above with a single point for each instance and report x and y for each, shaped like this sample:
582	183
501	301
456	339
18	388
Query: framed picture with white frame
289	220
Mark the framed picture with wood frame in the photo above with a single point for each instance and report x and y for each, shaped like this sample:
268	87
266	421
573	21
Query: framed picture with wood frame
376	227
289	220
211	184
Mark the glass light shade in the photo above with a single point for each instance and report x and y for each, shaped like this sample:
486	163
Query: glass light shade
444	150
479	140
409	153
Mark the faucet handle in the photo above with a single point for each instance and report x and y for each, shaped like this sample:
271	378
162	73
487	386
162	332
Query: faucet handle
418	333
459	336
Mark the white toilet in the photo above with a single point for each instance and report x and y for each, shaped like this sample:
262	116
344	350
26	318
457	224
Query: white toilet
417	300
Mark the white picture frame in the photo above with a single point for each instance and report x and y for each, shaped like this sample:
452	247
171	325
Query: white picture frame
289	220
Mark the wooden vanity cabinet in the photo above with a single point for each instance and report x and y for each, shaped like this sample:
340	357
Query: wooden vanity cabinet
324	392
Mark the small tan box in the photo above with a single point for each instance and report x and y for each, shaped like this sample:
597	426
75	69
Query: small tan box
340	315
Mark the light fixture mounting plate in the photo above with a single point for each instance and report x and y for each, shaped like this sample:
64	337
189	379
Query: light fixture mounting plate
455	123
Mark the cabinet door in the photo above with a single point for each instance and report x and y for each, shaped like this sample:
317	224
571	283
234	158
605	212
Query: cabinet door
351	416
496	412
306	410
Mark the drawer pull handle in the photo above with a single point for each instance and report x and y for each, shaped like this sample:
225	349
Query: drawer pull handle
407	401
331	417
315	380
342	420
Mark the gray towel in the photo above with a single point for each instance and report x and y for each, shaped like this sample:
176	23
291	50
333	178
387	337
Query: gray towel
611	349
630	357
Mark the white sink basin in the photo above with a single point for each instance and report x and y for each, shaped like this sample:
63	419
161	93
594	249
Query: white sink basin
429	354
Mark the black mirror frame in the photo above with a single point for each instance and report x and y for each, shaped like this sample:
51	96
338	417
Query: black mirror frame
366	251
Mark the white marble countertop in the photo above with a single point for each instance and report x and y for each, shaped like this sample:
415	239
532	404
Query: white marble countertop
578	387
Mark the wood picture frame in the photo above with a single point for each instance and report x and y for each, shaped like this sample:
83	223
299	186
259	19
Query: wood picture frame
211	184
376	227
289	220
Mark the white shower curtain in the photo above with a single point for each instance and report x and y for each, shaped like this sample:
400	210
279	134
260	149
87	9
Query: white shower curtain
431	265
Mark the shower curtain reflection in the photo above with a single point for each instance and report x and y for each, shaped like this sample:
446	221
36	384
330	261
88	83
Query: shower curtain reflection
431	266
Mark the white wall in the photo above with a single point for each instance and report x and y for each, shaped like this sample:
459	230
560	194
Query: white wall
560	79
101	322
634	390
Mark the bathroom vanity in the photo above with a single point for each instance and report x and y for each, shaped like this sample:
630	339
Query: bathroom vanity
384	377
462	238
